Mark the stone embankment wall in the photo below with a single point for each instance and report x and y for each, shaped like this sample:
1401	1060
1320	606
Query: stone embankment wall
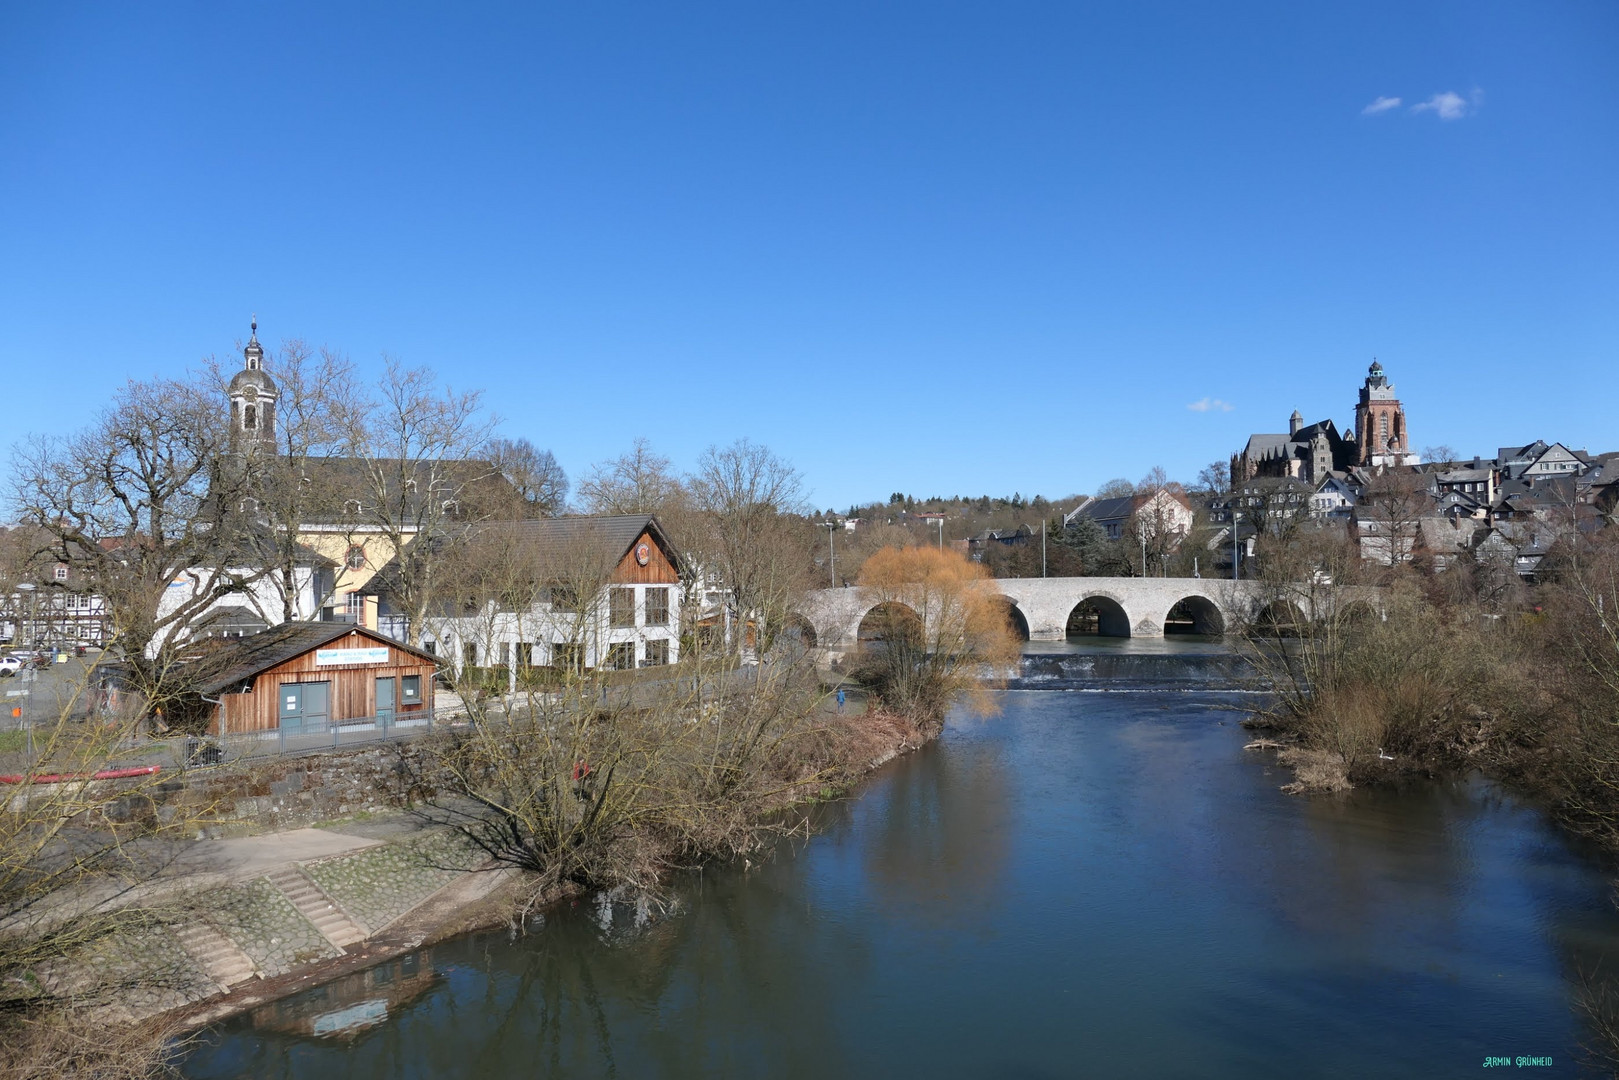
289	793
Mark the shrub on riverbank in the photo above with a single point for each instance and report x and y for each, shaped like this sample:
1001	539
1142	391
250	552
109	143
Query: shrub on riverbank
588	788
1458	672
939	625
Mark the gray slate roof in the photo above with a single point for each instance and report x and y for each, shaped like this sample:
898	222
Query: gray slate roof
550	540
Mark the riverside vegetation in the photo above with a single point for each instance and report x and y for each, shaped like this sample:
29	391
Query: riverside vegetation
578	779
1463	668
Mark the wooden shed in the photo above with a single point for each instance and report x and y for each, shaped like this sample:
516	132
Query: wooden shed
311	676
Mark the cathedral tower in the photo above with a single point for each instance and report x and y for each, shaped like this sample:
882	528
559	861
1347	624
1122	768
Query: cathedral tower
1380	434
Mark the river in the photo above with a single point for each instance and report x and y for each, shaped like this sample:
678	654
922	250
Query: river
1086	883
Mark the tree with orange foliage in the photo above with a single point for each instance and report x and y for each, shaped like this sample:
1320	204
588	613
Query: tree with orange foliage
940	629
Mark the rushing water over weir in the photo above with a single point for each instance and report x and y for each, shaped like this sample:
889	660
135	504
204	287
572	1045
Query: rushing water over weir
1084	884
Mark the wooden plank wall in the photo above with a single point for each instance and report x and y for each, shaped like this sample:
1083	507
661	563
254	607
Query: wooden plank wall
353	693
658	570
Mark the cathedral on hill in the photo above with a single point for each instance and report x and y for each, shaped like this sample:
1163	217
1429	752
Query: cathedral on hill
1310	452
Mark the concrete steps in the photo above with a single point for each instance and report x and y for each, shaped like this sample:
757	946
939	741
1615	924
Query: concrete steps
218	956
332	921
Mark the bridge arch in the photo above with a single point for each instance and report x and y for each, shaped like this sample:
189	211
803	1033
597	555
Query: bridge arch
797	627
1357	611
1279	618
1194	614
1099	614
1015	618
890	622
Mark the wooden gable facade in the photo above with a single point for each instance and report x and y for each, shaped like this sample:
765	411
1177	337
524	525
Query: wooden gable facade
658	569
353	677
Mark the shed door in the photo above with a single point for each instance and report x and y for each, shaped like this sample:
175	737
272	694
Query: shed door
304	706
385	699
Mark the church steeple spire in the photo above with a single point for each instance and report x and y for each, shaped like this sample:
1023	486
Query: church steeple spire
253	355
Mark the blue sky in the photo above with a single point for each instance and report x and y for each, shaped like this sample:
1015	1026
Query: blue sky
939	248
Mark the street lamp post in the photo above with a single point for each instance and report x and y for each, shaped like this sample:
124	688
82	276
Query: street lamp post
1236	516
832	551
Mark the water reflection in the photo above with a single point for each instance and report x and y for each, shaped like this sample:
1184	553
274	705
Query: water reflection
941	836
1086	884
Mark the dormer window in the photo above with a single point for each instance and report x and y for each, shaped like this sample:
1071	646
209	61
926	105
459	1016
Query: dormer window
352	506
61	572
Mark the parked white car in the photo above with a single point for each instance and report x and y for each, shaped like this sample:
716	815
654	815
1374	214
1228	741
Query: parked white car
9	665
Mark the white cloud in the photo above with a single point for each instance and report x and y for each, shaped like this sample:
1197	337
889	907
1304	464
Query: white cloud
1210	405
1382	104
1448	105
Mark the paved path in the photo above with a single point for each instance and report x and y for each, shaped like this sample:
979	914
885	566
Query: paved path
244	857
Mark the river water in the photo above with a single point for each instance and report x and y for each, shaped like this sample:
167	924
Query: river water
1086	883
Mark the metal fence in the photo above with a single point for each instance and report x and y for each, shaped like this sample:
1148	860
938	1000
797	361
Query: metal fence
200	751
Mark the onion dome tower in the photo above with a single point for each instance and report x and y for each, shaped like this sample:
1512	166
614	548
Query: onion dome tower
252	400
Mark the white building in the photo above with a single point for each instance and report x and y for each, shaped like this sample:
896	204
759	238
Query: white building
634	620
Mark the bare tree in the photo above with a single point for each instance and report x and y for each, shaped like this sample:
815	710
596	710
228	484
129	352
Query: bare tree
142	500
83	922
758	549
639	482
1215	477
420	478
1390	511
540	483
1117	488
290	485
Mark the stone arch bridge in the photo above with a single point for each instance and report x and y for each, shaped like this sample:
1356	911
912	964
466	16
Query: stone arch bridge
1124	607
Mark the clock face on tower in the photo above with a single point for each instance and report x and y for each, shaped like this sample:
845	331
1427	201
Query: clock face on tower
643	553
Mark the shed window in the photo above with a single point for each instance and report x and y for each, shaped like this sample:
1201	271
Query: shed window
410	690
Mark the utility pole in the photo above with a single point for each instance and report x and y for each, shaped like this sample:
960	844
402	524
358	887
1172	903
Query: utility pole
832	552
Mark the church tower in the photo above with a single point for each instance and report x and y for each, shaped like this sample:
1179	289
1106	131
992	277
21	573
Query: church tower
1380	434
252	401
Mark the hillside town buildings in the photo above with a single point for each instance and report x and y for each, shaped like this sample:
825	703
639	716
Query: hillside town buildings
1509	508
